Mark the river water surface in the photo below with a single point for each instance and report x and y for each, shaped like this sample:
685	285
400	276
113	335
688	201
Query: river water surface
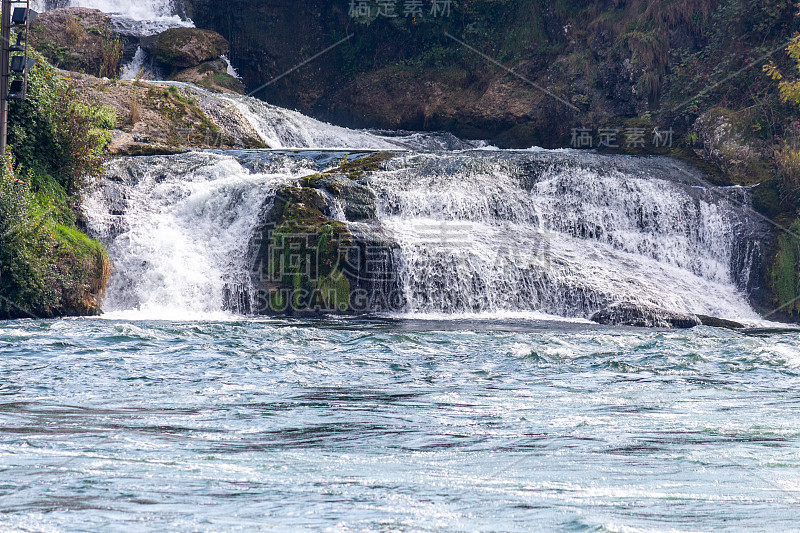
395	425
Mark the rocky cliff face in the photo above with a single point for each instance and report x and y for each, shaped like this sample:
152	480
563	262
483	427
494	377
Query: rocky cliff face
386	76
76	39
604	61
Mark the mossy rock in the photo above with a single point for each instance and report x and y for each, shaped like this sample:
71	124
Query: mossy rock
84	272
784	272
306	255
358	167
311	263
188	123
183	48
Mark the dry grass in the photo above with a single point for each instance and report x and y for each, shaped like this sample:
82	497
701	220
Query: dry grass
141	74
112	56
135	111
74	30
788	160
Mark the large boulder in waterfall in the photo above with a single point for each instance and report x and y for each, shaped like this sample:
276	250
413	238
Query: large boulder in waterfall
641	316
306	261
181	48
211	75
77	39
300	256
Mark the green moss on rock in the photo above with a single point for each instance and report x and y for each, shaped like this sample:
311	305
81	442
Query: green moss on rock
187	47
307	251
784	272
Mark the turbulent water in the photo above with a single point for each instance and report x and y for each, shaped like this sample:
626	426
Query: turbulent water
561	233
565	233
385	425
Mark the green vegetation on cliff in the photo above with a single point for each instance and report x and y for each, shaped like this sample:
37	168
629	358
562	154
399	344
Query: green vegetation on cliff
48	267
784	273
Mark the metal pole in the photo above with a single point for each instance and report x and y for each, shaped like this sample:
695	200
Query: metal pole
5	43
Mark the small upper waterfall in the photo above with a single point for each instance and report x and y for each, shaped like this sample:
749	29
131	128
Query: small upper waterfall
139	10
139	18
283	128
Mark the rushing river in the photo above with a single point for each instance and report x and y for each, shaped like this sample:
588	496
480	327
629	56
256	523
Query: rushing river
395	425
169	414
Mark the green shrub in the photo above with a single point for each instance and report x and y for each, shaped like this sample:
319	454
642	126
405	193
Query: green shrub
24	243
47	266
784	276
52	133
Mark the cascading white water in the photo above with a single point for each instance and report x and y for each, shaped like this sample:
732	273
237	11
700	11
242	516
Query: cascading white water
563	234
137	68
136	19
476	232
230	70
138	10
282	128
178	230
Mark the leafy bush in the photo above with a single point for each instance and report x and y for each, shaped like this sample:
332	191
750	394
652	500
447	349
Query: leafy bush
52	133
784	275
23	244
787	158
47	266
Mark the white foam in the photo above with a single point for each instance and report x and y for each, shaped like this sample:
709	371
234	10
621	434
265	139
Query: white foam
184	236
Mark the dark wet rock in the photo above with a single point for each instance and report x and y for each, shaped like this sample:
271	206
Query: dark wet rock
719	322
629	314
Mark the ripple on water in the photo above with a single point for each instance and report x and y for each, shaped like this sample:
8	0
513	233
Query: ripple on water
393	425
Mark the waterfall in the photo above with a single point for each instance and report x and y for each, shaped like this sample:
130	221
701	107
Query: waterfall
139	10
178	229
137	19
565	233
283	128
557	232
